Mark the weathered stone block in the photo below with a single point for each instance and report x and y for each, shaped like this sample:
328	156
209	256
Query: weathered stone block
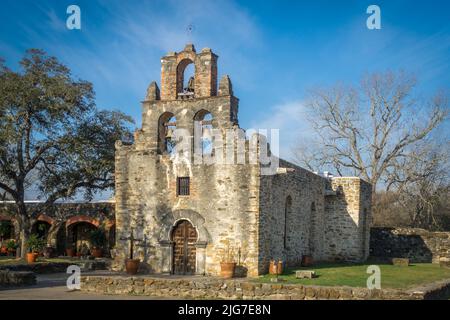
444	262
305	274
403	262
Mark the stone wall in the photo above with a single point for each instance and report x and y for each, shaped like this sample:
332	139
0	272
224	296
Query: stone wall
292	216
347	219
214	288
16	278
222	207
45	267
326	218
418	245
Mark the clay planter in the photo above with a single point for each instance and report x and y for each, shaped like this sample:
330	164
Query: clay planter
276	267
70	252
132	265
96	252
31	257
307	261
227	269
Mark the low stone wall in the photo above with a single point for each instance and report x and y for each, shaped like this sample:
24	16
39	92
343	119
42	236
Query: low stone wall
58	267
16	278
215	288
50	267
418	245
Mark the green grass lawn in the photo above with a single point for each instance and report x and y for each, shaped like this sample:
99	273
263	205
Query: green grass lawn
355	275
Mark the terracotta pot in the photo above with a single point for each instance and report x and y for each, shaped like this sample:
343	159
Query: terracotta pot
31	257
70	252
276	267
3	250
132	265
307	261
96	252
227	269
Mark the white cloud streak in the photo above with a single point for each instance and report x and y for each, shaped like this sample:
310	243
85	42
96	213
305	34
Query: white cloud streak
290	118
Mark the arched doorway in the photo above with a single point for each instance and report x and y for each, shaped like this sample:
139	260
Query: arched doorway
7	231
78	235
41	228
184	237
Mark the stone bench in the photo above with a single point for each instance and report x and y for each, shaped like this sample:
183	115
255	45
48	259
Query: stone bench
305	274
16	278
402	262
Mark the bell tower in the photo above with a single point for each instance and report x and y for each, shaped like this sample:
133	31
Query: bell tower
173	65
182	104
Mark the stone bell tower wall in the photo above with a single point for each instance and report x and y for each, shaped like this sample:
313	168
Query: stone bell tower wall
172	70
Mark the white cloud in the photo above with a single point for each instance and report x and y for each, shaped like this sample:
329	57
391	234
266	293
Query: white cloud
290	118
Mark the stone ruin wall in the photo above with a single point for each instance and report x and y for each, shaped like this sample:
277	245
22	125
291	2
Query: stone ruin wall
347	220
329	218
304	228
418	245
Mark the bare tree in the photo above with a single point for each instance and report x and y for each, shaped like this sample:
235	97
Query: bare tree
423	186
372	129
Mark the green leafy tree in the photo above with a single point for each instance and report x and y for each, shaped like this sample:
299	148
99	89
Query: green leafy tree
53	137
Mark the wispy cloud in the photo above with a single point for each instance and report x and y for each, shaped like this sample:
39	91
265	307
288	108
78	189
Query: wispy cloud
290	118
123	52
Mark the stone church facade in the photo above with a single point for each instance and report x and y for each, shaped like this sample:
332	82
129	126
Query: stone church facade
188	214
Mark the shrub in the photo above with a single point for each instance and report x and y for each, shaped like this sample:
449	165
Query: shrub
34	243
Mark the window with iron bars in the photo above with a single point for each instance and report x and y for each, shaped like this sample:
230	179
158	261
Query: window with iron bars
183	186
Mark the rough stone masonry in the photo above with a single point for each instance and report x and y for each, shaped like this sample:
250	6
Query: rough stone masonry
189	216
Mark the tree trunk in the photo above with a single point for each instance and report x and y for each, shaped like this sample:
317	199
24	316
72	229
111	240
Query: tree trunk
25	230
52	233
25	233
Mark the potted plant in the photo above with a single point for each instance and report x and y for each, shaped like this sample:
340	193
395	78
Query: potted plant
132	265
97	238
11	246
34	244
276	267
70	251
307	260
228	264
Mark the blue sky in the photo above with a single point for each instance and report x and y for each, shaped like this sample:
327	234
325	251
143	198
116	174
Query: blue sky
274	51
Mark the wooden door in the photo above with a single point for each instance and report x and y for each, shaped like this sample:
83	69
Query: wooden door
184	237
